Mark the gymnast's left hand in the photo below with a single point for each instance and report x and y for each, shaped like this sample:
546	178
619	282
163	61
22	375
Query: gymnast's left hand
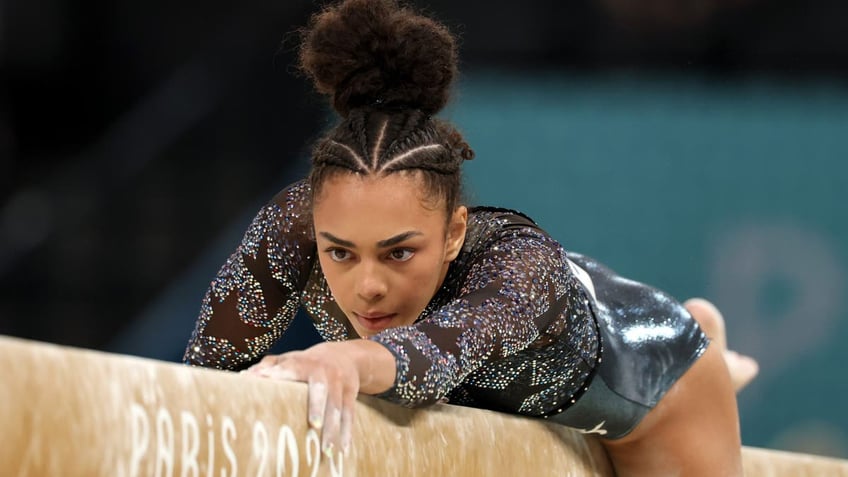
335	374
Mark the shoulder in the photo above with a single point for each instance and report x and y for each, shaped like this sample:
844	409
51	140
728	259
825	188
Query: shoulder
490	223
490	226
295	194
510	215
291	209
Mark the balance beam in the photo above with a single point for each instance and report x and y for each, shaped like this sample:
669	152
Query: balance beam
73	412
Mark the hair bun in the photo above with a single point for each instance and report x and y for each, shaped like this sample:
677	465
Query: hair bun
374	52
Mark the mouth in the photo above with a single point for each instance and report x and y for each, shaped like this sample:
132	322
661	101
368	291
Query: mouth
374	321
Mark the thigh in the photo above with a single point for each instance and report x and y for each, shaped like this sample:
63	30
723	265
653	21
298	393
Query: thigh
693	430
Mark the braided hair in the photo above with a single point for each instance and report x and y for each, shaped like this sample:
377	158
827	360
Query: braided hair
387	70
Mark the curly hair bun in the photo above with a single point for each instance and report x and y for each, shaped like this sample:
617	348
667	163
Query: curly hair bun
374	52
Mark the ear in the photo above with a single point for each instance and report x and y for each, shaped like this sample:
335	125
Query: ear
456	233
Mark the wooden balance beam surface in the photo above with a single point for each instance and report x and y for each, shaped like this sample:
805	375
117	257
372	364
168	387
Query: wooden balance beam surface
71	412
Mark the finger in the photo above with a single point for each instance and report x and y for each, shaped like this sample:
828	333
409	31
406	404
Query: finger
347	419
330	438
284	367
317	400
331	433
282	372
264	363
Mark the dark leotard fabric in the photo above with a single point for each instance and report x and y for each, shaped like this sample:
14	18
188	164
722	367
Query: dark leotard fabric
513	328
649	341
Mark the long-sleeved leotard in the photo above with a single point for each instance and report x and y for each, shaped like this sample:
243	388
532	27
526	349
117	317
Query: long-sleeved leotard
512	328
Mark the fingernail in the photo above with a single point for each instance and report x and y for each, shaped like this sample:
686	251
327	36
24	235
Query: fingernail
328	450
345	443
315	421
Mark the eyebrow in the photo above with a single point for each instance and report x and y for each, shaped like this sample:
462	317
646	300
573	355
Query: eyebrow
381	244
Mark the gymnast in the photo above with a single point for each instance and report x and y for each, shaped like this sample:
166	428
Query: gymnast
420	299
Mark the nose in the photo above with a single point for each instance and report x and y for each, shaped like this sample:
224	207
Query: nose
370	284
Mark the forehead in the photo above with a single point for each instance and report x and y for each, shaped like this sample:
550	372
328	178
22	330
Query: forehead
375	207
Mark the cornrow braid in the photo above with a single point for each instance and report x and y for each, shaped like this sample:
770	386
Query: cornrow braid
335	154
377	151
377	142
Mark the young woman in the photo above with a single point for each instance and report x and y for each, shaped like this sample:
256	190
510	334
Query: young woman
422	300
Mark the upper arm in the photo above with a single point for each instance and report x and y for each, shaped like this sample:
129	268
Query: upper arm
255	294
505	300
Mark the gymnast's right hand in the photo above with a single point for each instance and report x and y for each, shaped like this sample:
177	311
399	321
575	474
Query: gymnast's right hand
335	373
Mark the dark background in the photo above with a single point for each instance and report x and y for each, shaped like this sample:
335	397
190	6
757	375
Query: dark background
135	135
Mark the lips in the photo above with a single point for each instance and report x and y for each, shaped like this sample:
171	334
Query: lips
374	321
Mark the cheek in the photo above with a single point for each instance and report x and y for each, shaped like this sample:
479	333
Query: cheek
335	279
421	279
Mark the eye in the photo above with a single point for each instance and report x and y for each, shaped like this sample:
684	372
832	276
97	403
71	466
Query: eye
338	254
401	254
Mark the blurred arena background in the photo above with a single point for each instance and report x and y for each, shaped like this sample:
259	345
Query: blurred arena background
698	145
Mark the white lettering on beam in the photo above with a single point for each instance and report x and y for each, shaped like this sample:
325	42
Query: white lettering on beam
161	444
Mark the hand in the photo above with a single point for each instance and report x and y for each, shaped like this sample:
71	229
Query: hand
334	382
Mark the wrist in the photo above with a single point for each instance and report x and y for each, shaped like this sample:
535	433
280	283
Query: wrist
374	363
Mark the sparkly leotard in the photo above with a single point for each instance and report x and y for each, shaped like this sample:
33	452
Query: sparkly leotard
517	326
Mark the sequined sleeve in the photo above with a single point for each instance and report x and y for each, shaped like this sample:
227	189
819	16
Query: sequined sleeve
505	295
255	295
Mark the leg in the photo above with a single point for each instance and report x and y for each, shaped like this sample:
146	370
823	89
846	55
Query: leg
742	368
693	431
